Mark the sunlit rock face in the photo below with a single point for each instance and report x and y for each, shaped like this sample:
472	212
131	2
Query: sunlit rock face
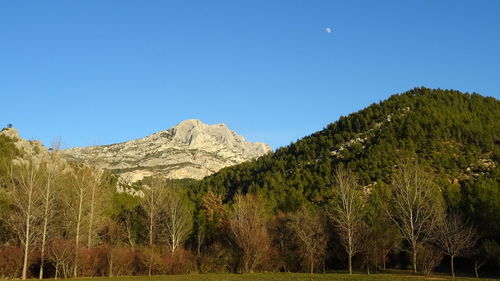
191	149
32	148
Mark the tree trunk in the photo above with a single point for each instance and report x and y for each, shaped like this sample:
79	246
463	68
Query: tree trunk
150	262
383	258
89	243
77	238
40	275
26	239
111	263
198	242
414	261
367	260
174	242
475	269
151	230
44	231
25	261
150	243
349	237
312	263
129	233
350	263
452	266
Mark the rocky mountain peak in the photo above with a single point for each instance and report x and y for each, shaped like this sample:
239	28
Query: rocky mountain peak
191	149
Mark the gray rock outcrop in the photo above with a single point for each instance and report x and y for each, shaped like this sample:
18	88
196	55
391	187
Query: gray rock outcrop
191	149
28	147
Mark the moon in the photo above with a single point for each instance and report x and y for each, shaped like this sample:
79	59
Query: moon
328	30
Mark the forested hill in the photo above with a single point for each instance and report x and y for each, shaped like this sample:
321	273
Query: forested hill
457	134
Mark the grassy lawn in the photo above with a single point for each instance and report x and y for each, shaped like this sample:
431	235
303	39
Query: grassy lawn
280	277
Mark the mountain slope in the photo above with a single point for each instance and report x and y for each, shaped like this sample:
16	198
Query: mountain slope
456	134
191	149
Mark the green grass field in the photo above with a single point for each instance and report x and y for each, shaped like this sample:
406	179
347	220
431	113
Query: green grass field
281	277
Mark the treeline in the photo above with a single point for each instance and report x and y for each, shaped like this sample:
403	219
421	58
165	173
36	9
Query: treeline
66	220
456	135
410	183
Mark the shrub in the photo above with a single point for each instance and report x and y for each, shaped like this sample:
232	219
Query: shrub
123	261
428	258
181	262
150	260
61	253
217	259
11	260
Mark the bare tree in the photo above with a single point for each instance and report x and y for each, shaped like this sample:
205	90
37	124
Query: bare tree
308	227
53	165
24	193
153	203
347	211
97	197
248	225
111	234
178	217
455	237
415	205
487	251
60	252
127	224
77	203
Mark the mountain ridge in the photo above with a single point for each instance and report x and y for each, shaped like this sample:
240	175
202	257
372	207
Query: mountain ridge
191	149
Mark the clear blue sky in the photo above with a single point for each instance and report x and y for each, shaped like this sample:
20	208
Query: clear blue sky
100	72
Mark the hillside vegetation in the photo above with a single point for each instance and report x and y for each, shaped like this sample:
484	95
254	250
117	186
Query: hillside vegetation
410	183
457	135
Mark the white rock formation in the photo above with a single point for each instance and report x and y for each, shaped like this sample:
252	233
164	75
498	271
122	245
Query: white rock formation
191	149
29	147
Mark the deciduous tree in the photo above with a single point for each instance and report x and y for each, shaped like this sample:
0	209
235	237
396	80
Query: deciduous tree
153	203
308	227
455	237
178	218
53	167
415	205
248	226
347	210
25	198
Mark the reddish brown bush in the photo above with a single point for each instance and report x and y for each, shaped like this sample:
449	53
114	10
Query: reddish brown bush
181	262
89	262
122	261
61	254
11	260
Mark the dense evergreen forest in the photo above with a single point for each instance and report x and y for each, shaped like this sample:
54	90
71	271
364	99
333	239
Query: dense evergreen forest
456	135
409	183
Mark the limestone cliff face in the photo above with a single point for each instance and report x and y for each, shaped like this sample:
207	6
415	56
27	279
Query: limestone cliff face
191	149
